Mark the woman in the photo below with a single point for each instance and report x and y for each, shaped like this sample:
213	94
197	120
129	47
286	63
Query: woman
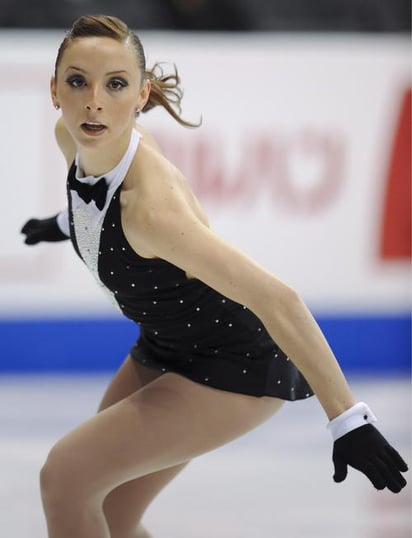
223	342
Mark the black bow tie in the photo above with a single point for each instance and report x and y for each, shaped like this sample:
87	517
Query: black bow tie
96	192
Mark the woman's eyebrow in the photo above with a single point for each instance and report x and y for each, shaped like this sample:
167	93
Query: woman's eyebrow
117	71
76	68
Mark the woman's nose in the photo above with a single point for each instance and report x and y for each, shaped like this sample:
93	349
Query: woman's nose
93	107
94	100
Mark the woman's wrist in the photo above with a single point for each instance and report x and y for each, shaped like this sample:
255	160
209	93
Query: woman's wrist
354	417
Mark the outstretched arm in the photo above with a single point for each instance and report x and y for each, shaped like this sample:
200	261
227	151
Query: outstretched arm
51	229
170	230
55	228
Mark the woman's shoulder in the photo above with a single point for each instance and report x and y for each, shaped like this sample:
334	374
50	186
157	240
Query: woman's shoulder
65	141
155	185
152	174
153	190
147	136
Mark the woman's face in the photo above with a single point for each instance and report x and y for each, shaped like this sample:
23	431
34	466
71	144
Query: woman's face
98	87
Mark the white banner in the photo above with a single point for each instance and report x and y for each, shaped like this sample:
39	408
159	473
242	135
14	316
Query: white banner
291	162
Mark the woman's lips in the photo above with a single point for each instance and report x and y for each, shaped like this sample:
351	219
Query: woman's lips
92	128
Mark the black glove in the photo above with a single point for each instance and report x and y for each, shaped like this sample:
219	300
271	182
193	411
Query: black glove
365	449
37	230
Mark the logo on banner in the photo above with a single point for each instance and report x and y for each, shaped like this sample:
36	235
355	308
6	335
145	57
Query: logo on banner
396	222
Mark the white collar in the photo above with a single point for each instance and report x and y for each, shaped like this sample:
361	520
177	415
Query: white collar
119	171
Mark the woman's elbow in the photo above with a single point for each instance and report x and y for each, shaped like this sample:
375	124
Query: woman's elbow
279	300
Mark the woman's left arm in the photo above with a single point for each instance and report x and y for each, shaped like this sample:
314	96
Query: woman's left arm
173	232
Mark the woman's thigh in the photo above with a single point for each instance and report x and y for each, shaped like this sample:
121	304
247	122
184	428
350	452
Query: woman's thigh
125	505
165	423
130	377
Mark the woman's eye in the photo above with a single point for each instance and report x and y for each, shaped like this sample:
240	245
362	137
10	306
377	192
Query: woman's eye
76	81
117	84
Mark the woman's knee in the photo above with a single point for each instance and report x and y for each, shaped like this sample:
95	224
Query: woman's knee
53	476
62	477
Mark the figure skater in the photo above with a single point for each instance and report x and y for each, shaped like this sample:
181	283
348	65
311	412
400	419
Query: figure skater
223	342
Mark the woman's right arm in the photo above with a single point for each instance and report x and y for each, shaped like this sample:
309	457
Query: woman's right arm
65	141
55	228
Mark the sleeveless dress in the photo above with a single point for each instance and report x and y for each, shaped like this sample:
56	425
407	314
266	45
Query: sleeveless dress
186	327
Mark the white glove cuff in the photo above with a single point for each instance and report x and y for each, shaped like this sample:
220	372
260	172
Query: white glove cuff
358	415
63	222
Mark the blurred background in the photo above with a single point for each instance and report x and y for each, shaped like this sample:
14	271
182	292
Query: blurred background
221	15
303	160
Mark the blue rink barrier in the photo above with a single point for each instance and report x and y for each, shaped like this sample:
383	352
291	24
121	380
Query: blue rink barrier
363	344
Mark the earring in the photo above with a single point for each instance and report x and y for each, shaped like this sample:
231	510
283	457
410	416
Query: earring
57	107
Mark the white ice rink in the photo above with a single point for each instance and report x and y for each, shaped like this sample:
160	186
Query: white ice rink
275	482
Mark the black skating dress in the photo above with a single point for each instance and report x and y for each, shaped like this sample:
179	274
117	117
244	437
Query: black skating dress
185	326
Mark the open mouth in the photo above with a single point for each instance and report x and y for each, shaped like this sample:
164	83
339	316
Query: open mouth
93	128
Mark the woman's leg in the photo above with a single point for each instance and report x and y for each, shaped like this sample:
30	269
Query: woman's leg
166	423
125	506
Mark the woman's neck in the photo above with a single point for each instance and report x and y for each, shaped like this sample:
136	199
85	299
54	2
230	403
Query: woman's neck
97	161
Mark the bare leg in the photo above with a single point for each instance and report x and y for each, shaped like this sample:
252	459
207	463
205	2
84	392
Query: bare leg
124	507
164	424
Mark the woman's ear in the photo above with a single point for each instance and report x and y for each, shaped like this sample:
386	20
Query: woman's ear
53	93
144	95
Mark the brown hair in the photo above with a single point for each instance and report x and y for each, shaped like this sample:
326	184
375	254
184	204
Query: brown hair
165	88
